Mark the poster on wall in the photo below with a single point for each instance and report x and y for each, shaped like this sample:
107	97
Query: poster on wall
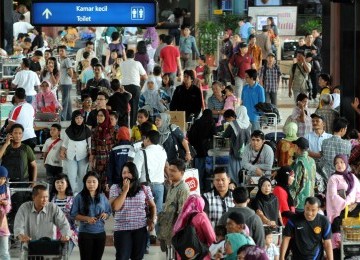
267	2
261	20
285	16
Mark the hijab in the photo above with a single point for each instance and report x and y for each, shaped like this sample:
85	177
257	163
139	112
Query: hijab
77	132
152	96
255	253
348	176
206	120
151	34
123	134
104	127
290	131
282	180
48	89
242	117
266	203
236	241
3	173
193	205
164	129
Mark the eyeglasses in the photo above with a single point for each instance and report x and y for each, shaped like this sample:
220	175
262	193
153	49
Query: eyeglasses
100	99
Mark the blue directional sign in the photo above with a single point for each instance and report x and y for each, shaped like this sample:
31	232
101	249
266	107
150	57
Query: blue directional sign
107	13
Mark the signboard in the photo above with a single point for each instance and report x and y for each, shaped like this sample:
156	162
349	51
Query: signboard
286	17
218	11
261	20
191	178
91	13
267	2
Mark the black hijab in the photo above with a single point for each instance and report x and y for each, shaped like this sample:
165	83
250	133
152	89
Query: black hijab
77	132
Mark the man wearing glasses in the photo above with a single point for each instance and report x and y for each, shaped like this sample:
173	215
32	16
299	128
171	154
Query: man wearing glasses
101	101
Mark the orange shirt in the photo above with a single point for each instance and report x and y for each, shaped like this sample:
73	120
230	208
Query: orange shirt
256	53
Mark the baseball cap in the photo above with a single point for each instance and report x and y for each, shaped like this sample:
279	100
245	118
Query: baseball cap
302	143
314	115
271	54
242	45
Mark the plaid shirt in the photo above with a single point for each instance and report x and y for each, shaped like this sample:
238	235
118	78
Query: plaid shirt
215	206
329	149
329	115
132	214
271	78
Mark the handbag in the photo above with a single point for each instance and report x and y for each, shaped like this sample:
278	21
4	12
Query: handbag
181	153
45	246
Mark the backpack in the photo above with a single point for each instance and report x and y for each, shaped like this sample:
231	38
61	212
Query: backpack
268	108
239	145
11	162
187	243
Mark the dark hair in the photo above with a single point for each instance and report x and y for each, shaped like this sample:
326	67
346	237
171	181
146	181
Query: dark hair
144	112
312	201
272	20
21	17
179	163
240	194
115	36
27	39
98	65
307	34
68	191
55	71
322	198
145	127
100	93
157	70
130	53
220	170
252	73
230	88
301	97
184	26
202	57
85	194
37	189
268	231
94	61
171	81
237	217
220	230
162	37
14	126
86	55
141	47
189	73
243	248
326	77
26	62
61	47
251	36
249	19
38	53
89	43
136	186
340	123
114	114
229	113
258	134
169	39
353	134
85	96
154	136
115	84
20	93
57	126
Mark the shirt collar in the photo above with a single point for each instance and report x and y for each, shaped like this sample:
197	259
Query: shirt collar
216	193
34	210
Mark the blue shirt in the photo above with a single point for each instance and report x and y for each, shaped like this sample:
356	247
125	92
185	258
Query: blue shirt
315	141
244	30
250	96
95	210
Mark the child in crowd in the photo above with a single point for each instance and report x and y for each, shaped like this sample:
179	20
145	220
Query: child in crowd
142	116
272	251
203	73
322	199
157	75
218	246
167	85
51	153
62	195
336	98
114	120
5	206
113	70
230	101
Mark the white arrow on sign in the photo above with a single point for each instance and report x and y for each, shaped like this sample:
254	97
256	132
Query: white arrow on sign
47	13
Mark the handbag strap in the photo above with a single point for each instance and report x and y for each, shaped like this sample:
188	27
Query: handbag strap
146	167
258	155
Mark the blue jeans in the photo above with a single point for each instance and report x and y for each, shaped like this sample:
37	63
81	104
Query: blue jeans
66	102
29	99
158	193
130	244
4	248
239	84
76	171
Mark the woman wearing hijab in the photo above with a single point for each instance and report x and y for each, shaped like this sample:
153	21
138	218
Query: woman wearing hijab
171	137
249	252
285	148
239	133
193	212
343	189
200	137
76	149
45	100
266	204
233	242
284	178
151	37
103	138
153	99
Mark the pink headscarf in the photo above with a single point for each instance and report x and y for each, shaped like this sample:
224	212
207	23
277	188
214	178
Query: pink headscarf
193	204
47	90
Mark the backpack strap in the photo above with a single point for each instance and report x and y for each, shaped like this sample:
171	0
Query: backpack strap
258	155
146	167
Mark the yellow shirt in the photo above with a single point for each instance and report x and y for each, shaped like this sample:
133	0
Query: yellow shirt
323	91
135	132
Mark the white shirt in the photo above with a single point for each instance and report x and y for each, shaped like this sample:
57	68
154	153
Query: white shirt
76	150
53	156
156	159
21	27
131	71
24	114
27	80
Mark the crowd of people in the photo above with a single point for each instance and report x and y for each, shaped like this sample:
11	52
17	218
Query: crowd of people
121	154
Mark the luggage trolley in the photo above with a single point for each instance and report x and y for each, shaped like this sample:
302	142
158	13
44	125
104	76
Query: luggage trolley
267	121
44	249
350	242
43	121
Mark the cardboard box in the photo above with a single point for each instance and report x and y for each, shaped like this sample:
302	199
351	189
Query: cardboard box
178	118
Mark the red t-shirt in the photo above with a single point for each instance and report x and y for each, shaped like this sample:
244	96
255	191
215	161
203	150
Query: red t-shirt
282	197
169	55
243	63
